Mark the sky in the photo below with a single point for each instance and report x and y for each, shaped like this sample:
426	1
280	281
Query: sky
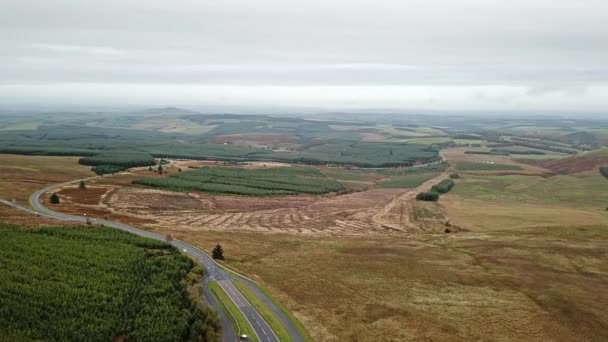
451	55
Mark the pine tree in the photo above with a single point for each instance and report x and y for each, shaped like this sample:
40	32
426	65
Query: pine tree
218	252
82	186
54	199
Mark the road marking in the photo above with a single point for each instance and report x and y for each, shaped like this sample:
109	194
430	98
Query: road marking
220	282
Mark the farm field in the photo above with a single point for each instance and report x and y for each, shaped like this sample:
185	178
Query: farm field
97	284
488	166
409	181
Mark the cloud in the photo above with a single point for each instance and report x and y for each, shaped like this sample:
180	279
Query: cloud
457	48
79	49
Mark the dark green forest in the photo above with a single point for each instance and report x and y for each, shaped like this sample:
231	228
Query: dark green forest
253	182
317	147
97	284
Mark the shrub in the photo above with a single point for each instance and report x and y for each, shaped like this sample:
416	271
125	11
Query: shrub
218	252
444	186
455	176
428	196
604	171
54	199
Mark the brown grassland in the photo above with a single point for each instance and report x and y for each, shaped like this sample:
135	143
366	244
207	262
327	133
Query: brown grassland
525	259
22	175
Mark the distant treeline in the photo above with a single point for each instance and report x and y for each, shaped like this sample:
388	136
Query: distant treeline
126	159
114	162
321	147
506	152
543	145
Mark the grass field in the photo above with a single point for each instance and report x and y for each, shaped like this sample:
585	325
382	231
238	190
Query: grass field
22	175
586	190
470	166
242	325
408	181
96	284
254	182
540	284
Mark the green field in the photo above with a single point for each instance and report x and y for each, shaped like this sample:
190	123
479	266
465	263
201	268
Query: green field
254	182
581	190
339	173
472	166
96	284
432	168
409	181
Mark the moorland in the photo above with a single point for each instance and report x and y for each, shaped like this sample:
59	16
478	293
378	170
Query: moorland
323	212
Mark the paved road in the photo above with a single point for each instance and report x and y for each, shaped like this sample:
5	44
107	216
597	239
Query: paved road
213	271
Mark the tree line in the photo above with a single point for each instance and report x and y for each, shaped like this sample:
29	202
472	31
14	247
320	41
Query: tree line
442	187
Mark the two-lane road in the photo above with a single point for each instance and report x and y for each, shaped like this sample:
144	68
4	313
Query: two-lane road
213	271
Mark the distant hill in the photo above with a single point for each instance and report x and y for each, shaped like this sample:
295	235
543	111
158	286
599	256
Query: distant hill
170	111
579	163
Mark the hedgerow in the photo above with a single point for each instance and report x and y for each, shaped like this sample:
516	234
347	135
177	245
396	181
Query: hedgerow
444	186
431	196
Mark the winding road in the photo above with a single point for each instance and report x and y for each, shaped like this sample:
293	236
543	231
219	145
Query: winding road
213	272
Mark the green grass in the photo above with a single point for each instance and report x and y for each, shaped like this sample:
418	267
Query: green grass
96	284
472	166
468	141
27	125
582	190
243	326
339	173
429	141
270	318
409	181
253	182
539	156
432	168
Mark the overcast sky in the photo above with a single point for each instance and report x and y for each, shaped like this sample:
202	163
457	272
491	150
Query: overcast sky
528	55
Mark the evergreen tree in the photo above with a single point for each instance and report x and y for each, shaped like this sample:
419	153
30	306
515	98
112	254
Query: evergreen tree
218	252
54	199
82	186
160	169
